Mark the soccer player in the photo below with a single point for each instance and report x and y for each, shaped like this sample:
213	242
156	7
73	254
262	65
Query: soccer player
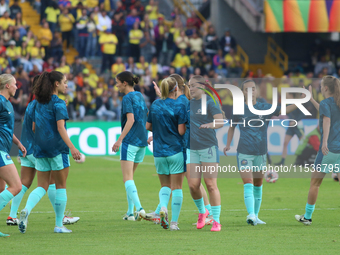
167	119
51	146
8	172
133	139
328	157
28	167
202	152
252	150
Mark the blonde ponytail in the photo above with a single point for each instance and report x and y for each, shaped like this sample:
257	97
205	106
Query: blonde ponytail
168	86
333	85
181	85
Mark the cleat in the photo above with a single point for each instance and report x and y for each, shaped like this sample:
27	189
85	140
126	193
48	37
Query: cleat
12	221
174	226
67	220
209	220
201	219
129	217
140	215
251	219
164	218
23	221
155	218
259	222
3	235
302	219
216	227
62	229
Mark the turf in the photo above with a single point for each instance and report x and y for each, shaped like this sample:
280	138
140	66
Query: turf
96	194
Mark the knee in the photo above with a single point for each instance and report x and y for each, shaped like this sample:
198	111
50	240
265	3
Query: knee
194	187
211	187
16	189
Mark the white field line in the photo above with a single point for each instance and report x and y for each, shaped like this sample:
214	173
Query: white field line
117	160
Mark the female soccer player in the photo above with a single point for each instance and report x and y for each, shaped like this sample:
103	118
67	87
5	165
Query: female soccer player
167	119
252	150
133	139
28	167
328	157
51	146
203	152
8	172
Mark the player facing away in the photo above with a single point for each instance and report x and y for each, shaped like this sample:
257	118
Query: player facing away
182	96
133	139
328	157
8	172
28	167
252	150
167	119
51	146
202	152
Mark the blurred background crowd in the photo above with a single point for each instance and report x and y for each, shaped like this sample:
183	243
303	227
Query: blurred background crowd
135	36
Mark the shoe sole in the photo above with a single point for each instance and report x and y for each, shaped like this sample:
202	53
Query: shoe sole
11	224
69	223
303	222
22	227
251	222
164	222
215	230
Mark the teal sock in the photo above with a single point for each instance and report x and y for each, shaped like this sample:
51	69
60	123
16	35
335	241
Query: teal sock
16	202
34	198
158	209
200	205
309	211
131	189
208	207
51	195
249	197
216	212
164	196
257	199
5	197
130	205
60	205
176	205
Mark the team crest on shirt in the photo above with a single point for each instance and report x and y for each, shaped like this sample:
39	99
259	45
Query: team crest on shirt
244	162
8	157
199	111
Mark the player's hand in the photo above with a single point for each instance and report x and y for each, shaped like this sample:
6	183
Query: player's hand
324	149
150	139
22	149
206	126
158	92
75	154
310	88
116	146
227	148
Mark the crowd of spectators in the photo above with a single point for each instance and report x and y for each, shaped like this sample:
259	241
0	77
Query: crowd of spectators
126	35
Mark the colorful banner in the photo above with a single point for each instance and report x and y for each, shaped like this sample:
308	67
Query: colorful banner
312	16
97	138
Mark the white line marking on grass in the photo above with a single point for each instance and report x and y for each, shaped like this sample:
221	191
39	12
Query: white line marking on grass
117	160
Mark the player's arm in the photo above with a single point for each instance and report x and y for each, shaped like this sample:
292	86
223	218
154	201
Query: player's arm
316	104
181	129
326	127
230	137
63	133
126	130
148	126
33	127
214	125
20	146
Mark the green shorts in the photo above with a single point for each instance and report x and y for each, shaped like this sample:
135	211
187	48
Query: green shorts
254	163
28	161
132	153
5	159
170	165
52	164
327	163
208	155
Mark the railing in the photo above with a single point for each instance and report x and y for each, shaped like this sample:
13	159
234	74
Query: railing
277	55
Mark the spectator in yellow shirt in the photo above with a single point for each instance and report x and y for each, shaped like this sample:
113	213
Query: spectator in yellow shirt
63	68
155	68
14	54
37	54
142	65
6	21
181	59
118	67
233	64
45	35
3	61
66	21
108	41
52	13
135	36
152	11
196	43
90	78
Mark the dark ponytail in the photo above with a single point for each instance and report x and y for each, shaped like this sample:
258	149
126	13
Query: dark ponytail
128	78
44	86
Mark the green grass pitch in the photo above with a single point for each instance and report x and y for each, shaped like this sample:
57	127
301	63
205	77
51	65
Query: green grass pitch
97	195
